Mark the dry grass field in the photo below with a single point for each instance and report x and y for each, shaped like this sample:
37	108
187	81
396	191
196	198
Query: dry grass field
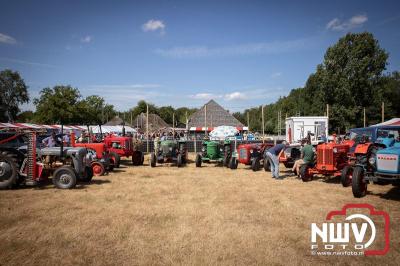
186	216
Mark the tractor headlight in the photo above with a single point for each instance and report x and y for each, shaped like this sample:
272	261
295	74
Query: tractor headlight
221	150
203	149
170	148
251	151
371	160
334	150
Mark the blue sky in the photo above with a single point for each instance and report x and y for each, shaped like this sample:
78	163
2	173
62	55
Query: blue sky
182	53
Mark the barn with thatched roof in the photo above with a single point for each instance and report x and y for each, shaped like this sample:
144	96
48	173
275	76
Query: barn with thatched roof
213	115
115	121
155	122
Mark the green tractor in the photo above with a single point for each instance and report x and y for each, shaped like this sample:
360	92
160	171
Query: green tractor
215	151
169	150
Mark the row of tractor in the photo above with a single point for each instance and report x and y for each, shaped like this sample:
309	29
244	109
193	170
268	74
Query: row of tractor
25	161
367	155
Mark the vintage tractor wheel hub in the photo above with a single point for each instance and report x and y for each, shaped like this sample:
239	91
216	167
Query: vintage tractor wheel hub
65	179
5	170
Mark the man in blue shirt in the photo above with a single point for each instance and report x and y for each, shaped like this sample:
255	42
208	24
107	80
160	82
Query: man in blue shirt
272	155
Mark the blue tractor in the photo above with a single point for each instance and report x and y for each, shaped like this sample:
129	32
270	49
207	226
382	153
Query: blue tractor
382	166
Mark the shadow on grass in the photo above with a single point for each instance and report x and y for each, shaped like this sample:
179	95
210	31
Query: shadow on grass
392	194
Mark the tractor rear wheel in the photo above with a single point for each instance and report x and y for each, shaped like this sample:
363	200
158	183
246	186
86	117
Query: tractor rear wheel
64	177
359	186
136	158
267	164
233	164
88	174
179	160
142	158
227	155
198	160
153	159
8	170
347	173
304	174
98	168
115	159
255	164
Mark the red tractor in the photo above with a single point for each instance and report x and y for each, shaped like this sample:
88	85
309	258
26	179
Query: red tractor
252	154
331	159
123	146
102	159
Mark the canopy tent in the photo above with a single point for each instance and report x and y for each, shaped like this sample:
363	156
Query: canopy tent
223	132
391	122
111	129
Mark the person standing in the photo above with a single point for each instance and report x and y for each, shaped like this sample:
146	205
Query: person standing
272	155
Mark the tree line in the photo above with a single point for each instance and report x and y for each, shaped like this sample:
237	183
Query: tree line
65	105
350	79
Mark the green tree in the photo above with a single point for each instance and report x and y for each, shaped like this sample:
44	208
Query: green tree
25	117
96	110
61	104
13	93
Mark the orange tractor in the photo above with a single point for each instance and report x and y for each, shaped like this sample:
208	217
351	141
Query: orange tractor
331	159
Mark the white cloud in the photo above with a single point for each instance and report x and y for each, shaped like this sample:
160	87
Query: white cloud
235	96
86	39
127	86
276	75
154	25
23	62
354	22
275	47
205	96
7	39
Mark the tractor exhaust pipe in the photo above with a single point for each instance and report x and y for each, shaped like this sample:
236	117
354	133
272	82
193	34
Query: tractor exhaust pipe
62	143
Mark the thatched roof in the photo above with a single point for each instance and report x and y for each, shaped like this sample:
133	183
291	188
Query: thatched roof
216	116
115	121
155	122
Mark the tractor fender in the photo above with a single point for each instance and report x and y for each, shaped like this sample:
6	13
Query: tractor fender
19	154
362	148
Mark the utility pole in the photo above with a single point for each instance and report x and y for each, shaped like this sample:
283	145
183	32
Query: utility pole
205	118
248	121
173	124
262	119
383	112
364	118
187	121
147	128
131	119
327	110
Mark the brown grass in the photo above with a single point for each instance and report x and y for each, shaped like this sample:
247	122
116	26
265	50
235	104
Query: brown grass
187	216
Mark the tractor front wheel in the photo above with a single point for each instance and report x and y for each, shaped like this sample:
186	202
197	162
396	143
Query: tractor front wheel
179	160
137	158
346	177
98	169
227	155
359	186
304	174
64	177
115	159
267	164
88	174
8	170
255	164
198	160
153	159
233	164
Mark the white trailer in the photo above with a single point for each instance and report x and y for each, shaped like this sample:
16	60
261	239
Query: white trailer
298	127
